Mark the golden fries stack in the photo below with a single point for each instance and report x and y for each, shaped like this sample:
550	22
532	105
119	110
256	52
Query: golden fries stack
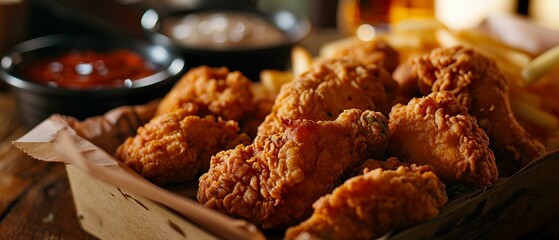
413	37
301	60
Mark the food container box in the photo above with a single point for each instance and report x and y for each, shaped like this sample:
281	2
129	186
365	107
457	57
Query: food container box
110	207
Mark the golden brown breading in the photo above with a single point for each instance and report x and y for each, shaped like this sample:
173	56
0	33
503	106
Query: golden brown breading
273	182
376	51
437	130
211	91
325	91
175	147
477	83
369	205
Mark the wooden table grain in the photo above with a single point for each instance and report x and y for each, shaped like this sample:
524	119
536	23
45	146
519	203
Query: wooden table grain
35	198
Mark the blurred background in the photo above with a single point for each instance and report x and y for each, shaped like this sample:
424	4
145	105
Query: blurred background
331	19
24	19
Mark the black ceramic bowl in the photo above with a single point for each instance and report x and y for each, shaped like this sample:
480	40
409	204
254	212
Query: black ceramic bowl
249	60
37	101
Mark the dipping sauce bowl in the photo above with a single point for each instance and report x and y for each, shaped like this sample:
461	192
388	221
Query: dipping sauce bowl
83	76
243	39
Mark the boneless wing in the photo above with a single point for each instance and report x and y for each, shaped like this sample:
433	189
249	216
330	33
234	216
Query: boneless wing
369	205
437	130
273	182
176	147
326	90
211	91
477	83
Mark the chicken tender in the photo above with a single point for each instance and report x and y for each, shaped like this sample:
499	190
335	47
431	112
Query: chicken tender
273	182
211	91
325	91
369	205
175	147
437	130
477	83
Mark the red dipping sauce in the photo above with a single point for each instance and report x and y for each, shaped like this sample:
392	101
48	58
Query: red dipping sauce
89	69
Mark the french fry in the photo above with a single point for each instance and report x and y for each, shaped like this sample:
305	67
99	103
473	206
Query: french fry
501	51
272	80
533	114
412	27
408	46
447	39
541	65
402	42
329	49
301	60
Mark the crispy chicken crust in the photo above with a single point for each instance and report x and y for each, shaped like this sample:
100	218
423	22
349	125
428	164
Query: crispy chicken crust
437	130
325	91
175	147
211	91
477	83
273	182
369	205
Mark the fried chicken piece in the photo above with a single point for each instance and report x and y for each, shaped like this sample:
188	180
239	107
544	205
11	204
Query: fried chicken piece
211	91
478	84
176	147
273	182
437	130
326	90
375	51
369	205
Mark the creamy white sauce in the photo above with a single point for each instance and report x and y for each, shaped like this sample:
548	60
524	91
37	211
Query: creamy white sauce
222	30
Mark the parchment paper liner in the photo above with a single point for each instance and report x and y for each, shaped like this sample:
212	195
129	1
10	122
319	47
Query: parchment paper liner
63	139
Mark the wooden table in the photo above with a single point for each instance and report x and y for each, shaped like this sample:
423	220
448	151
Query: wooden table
35	198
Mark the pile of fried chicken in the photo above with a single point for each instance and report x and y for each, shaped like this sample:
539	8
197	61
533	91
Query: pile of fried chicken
350	149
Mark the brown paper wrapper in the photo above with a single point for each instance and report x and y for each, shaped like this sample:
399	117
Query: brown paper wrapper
87	145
